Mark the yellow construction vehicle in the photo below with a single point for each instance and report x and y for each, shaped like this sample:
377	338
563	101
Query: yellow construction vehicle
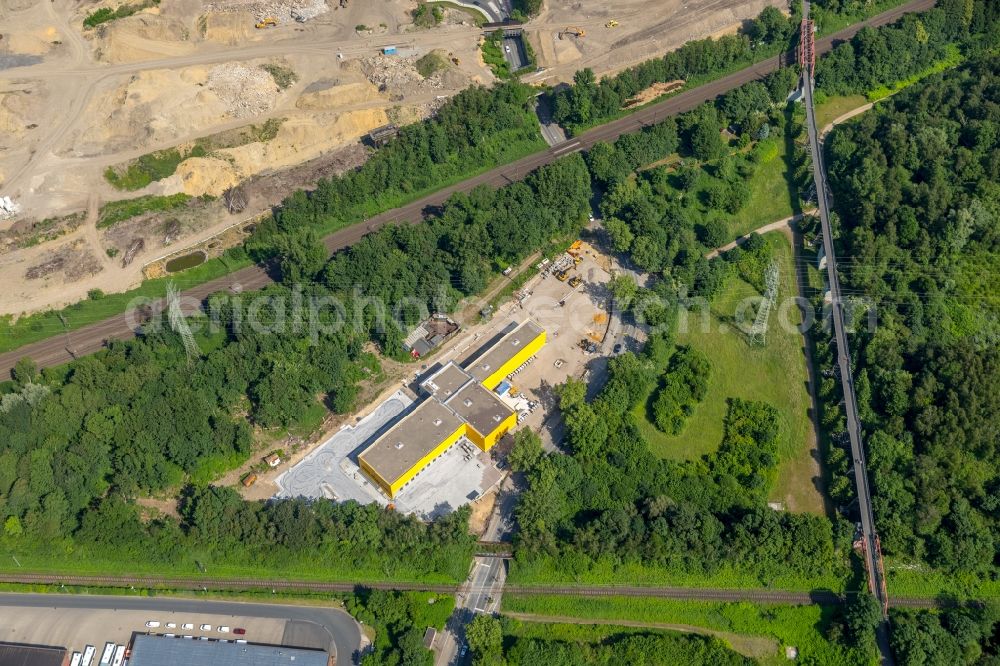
562	276
269	22
576	32
611	24
576	281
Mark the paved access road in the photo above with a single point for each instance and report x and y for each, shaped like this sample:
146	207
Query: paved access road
89	339
344	633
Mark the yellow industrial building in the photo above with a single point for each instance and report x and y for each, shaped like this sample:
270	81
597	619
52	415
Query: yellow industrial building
460	403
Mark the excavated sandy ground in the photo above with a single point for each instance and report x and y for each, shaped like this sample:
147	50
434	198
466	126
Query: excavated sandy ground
74	102
644	27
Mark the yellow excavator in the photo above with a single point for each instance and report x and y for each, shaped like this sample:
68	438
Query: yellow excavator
576	32
611	24
269	22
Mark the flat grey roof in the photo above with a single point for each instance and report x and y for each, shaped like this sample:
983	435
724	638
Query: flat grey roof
480	407
446	381
410	439
503	350
160	651
19	654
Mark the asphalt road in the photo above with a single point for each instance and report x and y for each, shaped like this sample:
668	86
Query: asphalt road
89	339
344	632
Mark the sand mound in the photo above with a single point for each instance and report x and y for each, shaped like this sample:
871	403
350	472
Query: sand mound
205	175
143	36
246	91
229	28
298	140
153	106
302	139
319	98
16	115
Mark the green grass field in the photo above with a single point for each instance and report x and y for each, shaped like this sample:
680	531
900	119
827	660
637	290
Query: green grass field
833	106
611	571
776	374
802	627
770	194
907	579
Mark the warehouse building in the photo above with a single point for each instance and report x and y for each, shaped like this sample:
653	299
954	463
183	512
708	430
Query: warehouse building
20	654
459	402
149	650
507	354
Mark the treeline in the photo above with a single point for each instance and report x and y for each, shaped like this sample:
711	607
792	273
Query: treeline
953	636
629	648
587	102
478	127
682	387
290	538
399	620
612	503
915	189
880	56
507	642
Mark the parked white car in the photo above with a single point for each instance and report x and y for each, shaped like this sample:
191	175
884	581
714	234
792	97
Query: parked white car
223	629
171	625
187	625
152	624
206	627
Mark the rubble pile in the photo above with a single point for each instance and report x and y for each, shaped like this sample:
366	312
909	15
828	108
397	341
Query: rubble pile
246	91
282	10
8	208
394	73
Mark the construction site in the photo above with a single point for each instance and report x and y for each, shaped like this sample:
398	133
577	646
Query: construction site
266	96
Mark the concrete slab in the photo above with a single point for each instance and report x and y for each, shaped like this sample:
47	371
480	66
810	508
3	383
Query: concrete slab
331	471
75	628
449	482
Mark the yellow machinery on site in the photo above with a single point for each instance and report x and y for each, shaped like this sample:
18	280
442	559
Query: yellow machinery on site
269	22
576	32
611	24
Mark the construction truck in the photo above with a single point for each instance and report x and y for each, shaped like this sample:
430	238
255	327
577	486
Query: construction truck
611	24
576	32
269	22
562	276
575	281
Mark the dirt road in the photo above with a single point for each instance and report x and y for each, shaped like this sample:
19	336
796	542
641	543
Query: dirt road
89	339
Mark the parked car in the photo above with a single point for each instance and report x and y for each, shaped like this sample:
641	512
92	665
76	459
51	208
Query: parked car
618	348
239	631
187	625
171	625
152	624
206	627
223	629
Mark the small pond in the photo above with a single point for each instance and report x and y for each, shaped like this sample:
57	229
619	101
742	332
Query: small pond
191	260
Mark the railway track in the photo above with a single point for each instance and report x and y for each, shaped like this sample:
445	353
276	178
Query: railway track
822	597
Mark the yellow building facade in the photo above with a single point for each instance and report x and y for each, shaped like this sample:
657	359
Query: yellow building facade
461	404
